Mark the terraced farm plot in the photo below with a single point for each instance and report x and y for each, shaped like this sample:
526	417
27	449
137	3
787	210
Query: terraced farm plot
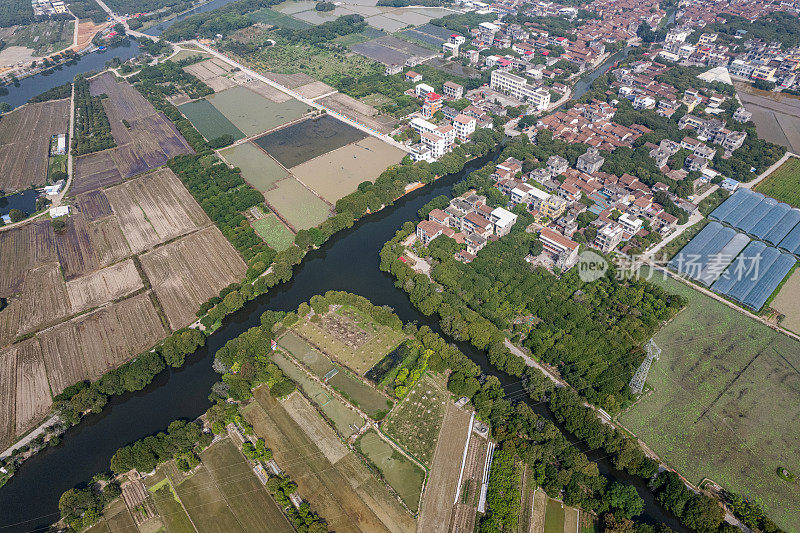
187	272
784	183
350	339
25	143
338	173
725	403
209	121
308	139
274	232
440	490
404	476
415	422
254	114
258	169
345	493
155	208
297	205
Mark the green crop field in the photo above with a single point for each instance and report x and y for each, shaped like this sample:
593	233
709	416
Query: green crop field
554	518
784	183
254	114
300	207
414	424
258	169
274	232
404	476
301	350
209	121
350	338
725	403
281	20
337	411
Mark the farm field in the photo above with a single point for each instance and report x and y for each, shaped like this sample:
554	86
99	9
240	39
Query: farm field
187	272
357	392
155	208
324	65
248	500
554	517
404	476
253	113
338	173
104	285
348	337
274	232
415	422
440	490
344	418
315	89
362	110
25	143
308	139
787	302
708	415
42	38
296	205
784	183
148	141
345	493
167	503
209	121
466	507
281	20
777	117
213	72
258	169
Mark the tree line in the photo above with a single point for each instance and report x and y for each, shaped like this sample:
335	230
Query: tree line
223	20
92	128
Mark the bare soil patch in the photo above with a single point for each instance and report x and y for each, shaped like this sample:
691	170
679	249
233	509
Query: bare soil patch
787	302
25	143
440	490
190	270
101	286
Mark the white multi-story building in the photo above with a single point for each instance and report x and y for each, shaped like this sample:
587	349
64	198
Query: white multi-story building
422	90
464	126
452	91
518	87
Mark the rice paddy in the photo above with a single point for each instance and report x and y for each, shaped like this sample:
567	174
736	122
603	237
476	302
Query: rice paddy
254	114
258	169
300	207
209	121
274	232
400	473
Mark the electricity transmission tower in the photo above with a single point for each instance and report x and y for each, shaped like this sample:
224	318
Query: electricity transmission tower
638	379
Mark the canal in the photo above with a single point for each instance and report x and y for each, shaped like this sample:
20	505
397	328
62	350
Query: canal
350	262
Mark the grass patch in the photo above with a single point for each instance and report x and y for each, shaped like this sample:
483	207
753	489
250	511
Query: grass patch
401	474
281	20
415	423
297	205
784	183
724	403
274	232
209	121
554	519
322	64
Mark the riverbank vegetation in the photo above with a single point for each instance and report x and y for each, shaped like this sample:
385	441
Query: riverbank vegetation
223	20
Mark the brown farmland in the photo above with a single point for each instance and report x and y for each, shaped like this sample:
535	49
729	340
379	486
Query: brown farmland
25	143
440	490
148	141
107	284
155	208
187	272
23	389
93	344
467	504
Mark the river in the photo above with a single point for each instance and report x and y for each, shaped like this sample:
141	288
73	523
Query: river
349	261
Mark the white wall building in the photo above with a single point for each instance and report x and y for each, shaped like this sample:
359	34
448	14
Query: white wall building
518	87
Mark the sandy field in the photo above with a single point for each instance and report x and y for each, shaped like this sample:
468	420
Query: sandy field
338	173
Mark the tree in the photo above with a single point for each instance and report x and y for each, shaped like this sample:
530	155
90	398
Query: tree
16	215
625	499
